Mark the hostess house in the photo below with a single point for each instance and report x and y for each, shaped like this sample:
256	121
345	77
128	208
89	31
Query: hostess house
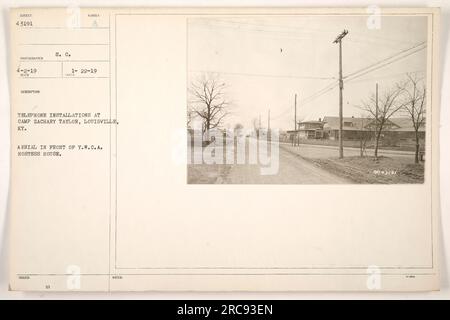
397	131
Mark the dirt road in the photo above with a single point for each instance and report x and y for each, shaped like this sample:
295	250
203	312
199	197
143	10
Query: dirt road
292	170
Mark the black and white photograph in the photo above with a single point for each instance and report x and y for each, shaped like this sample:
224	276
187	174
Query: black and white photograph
307	99
262	152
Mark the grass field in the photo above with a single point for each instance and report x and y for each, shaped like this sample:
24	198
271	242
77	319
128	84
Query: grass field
206	173
369	170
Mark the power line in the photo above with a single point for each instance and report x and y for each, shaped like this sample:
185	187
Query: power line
222	24
348	78
321	92
383	77
385	59
262	75
286	111
262	32
365	70
361	36
383	65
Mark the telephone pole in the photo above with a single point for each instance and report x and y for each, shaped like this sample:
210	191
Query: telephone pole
376	118
295	113
295	121
268	120
341	87
376	104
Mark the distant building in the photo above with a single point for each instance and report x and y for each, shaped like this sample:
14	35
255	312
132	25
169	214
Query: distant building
397	131
351	130
404	134
310	129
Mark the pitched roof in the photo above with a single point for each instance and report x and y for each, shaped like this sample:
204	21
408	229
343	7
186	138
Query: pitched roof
401	124
311	121
332	123
406	124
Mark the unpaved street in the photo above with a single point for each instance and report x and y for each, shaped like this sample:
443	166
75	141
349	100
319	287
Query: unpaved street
292	170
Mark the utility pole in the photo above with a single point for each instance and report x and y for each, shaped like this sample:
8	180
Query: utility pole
268	120
295	113
341	87
294	137
376	118
376	104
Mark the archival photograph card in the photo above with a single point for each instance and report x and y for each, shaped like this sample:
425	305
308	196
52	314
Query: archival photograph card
224	149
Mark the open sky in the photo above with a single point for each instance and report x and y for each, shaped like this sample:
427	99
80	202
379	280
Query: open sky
266	60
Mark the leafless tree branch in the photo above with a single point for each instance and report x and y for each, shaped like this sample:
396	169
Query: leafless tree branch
207	101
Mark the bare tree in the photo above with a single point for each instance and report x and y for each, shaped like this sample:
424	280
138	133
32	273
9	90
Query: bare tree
255	123
189	117
364	135
238	128
207	101
256	126
414	97
381	109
